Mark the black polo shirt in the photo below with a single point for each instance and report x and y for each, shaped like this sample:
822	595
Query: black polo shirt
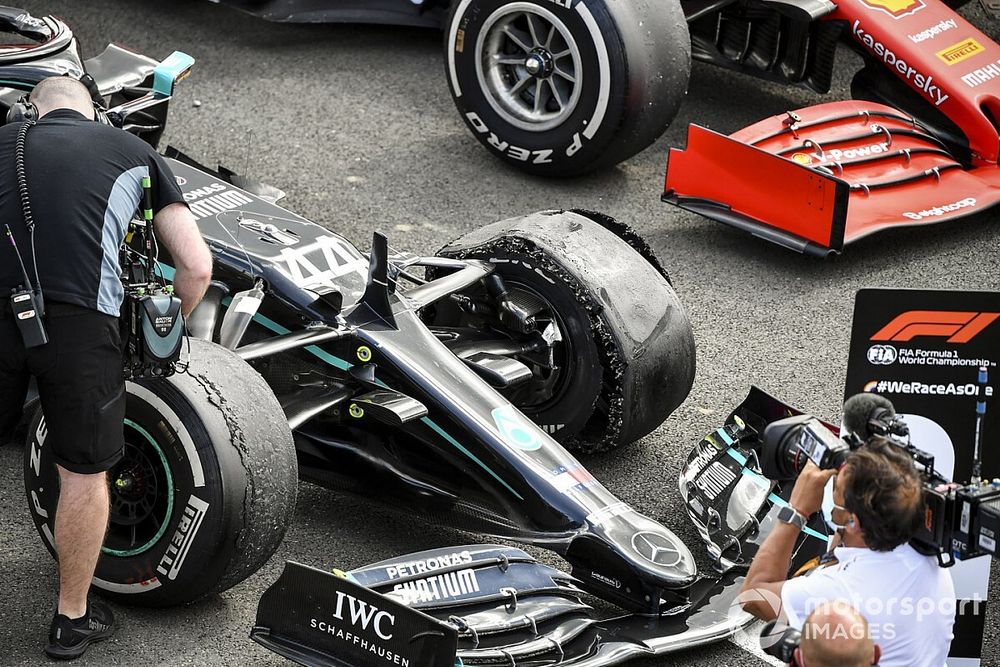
84	184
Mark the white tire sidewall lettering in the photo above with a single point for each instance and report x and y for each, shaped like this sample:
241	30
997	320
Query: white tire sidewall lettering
586	132
604	71
46	518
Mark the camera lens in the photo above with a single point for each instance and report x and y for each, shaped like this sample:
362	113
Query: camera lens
780	458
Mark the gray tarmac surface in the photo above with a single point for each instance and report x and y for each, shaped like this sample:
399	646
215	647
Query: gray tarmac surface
356	124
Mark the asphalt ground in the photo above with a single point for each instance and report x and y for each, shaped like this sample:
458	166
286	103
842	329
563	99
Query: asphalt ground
356	124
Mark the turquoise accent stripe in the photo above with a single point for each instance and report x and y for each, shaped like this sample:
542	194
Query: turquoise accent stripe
20	85
742	460
807	530
725	436
126	553
757	479
764	483
437	429
278	329
168	273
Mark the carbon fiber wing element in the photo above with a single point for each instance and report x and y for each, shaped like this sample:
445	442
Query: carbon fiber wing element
500	605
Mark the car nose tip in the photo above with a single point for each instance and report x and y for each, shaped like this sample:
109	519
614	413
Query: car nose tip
662	551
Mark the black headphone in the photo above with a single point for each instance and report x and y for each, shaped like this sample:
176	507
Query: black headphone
22	110
25	110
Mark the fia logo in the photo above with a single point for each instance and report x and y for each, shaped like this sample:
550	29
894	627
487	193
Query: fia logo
882	355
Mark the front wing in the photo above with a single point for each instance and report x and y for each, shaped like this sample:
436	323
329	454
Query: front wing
473	605
816	179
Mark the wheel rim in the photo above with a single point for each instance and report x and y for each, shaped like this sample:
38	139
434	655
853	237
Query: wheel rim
529	66
142	495
547	385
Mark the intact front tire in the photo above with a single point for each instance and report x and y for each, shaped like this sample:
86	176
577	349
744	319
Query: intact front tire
564	87
626	348
204	492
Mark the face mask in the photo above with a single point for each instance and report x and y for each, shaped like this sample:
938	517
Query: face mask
828	516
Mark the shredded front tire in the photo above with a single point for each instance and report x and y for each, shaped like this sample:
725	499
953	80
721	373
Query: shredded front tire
632	360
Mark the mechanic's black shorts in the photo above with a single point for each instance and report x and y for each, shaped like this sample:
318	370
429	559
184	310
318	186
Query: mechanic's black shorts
80	382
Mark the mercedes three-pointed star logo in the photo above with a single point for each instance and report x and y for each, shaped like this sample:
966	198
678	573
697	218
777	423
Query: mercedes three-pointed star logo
656	548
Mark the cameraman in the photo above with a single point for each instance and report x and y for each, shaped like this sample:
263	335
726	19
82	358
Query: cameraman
879	507
84	186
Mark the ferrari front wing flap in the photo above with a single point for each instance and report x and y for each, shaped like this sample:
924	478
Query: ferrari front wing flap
814	180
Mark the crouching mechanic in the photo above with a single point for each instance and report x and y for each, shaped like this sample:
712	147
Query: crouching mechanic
908	600
84	186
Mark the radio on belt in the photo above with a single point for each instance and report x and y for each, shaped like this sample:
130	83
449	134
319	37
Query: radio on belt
27	308
26	301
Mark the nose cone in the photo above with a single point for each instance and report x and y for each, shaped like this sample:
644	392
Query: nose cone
653	549
663	551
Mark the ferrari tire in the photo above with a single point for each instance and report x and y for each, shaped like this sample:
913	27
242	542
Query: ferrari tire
567	87
628	356
204	492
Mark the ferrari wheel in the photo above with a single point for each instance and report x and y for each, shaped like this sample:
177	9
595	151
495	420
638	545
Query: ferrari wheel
203	493
563	88
607	341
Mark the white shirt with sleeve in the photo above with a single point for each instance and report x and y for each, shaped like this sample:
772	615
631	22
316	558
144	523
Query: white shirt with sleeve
908	600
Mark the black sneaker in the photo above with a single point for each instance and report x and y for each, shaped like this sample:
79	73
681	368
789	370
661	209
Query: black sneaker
69	638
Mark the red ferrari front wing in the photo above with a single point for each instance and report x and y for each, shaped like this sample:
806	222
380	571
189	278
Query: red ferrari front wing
816	179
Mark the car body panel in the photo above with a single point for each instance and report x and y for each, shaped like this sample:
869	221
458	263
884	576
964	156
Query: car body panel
397	12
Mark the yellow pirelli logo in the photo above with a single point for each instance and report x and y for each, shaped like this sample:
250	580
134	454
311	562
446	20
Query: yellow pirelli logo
897	9
956	53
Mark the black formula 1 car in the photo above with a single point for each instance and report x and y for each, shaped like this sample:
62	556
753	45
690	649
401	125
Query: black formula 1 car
496	605
451	386
448	383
